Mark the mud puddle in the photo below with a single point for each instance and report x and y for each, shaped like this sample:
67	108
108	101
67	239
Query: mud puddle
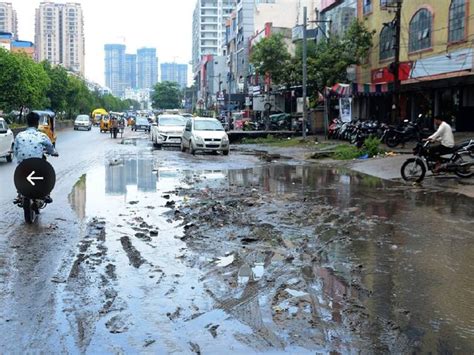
272	258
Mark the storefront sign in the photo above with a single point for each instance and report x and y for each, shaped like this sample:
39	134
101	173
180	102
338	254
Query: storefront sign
383	75
446	63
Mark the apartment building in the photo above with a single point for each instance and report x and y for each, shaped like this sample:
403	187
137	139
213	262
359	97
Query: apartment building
209	19
59	35
8	19
147	68
175	72
115	68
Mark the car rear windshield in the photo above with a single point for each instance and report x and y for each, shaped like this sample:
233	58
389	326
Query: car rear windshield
172	121
208	126
3	126
142	121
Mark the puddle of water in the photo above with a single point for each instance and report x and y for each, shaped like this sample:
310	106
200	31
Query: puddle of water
415	247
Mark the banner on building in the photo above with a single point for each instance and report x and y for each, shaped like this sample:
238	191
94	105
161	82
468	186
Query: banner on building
459	60
345	109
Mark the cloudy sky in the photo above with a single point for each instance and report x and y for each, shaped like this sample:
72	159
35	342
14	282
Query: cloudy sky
163	24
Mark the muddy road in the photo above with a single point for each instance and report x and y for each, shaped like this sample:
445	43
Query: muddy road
162	252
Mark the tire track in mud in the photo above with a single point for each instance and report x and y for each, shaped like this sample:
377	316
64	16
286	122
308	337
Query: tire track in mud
90	293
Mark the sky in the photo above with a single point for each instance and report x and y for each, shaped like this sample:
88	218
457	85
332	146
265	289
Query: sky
163	24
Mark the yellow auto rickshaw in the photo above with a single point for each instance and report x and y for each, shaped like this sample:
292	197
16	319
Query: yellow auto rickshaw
105	124
47	124
97	115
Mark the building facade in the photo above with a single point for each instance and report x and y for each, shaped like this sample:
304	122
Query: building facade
436	54
209	18
59	35
174	72
8	19
131	71
115	68
147	68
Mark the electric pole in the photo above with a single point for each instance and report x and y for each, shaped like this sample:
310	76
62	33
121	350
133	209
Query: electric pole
396	63
305	70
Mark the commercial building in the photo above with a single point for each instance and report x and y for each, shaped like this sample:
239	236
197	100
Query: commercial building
436	55
8	19
115	68
147	68
174	72
209	28
59	35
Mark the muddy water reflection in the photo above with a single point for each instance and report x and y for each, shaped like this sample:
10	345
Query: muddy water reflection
414	248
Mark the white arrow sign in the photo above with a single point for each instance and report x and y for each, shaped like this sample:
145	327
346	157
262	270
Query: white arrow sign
30	178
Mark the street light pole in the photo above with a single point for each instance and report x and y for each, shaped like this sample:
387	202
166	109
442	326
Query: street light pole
305	70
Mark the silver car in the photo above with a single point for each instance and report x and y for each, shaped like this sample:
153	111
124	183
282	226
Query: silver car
6	141
205	134
82	121
168	130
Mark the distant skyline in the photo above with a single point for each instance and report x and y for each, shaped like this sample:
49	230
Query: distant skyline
166	26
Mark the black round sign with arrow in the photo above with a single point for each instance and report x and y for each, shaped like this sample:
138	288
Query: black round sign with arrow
34	178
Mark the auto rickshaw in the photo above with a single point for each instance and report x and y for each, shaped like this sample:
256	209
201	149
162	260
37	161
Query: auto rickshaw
97	115
47	124
105	124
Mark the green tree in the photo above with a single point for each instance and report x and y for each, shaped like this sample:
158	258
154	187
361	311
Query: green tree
57	92
270	57
23	82
166	95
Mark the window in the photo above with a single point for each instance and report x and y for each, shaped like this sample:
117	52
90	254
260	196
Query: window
367	6
387	42
457	20
420	31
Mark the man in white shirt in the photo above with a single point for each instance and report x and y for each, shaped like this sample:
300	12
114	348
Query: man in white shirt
444	137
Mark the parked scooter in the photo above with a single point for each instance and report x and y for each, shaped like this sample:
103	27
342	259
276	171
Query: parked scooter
459	162
405	132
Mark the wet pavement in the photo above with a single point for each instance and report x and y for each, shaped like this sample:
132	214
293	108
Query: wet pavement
162	252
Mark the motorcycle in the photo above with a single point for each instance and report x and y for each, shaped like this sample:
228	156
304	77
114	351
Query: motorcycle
31	207
459	162
405	132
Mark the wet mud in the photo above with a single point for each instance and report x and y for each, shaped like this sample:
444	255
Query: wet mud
273	258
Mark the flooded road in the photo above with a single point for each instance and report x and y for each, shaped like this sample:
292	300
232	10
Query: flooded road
163	252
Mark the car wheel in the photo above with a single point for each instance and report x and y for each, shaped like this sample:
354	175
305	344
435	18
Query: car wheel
226	152
191	148
183	148
9	158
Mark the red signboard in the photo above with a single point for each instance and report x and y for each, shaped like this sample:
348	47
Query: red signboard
327	3
383	75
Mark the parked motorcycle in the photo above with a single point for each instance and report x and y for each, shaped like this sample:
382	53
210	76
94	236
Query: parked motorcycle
459	162
405	132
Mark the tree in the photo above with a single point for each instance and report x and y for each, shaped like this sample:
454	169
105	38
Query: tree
22	82
57	92
270	57
166	95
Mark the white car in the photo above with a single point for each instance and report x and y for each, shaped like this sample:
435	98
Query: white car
167	130
204	134
6	141
82	121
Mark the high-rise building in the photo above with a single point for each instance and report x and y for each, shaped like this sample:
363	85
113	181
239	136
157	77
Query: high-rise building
115	68
131	71
8	19
147	68
174	72
209	27
59	35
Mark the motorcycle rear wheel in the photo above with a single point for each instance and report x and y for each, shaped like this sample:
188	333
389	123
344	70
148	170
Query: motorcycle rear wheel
29	210
464	172
413	170
392	140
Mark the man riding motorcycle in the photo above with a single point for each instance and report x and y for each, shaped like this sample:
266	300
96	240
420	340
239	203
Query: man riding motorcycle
32	143
444	135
